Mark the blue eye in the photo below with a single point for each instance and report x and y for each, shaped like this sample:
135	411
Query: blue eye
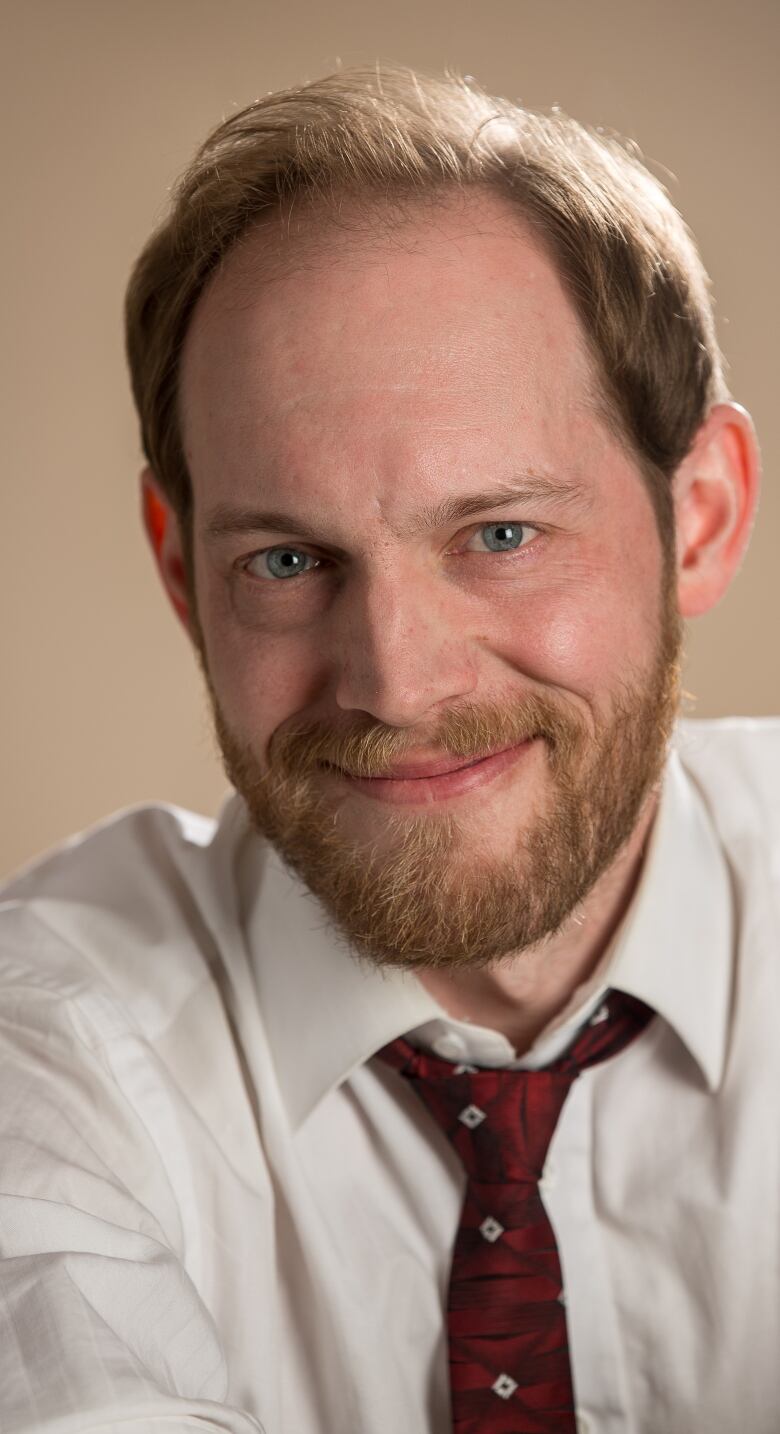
502	537
281	563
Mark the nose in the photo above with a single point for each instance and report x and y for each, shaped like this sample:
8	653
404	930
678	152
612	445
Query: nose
399	651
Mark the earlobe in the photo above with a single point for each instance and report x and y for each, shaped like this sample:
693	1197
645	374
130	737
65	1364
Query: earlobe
164	534
716	494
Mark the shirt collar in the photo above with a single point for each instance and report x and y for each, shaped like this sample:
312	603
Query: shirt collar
326	1011
676	946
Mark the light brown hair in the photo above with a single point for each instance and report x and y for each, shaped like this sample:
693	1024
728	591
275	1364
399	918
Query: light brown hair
624	254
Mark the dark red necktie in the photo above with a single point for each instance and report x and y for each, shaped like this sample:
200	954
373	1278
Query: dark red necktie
509	1353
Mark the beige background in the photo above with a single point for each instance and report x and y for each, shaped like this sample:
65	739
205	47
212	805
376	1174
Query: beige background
106	100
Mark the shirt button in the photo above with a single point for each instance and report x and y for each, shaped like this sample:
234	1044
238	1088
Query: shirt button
449	1047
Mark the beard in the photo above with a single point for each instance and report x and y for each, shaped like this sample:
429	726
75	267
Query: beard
424	891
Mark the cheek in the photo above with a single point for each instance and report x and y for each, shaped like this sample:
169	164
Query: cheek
584	630
260	681
261	684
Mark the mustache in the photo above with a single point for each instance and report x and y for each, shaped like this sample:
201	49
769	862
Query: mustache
367	748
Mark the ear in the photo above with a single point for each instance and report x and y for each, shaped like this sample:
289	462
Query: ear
715	498
165	539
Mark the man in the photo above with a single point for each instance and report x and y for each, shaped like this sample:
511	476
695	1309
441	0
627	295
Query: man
433	1087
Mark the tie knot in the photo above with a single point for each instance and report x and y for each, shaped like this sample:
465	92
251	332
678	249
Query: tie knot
501	1121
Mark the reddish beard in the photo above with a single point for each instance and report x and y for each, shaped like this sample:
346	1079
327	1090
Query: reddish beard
419	894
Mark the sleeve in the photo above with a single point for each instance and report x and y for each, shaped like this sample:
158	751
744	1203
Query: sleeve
101	1328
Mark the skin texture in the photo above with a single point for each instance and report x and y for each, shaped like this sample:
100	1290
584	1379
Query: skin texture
357	389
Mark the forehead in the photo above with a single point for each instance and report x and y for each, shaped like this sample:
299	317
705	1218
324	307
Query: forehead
421	347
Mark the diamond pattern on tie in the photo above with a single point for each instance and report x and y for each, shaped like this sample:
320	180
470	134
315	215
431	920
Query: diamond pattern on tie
506	1316
471	1116
504	1386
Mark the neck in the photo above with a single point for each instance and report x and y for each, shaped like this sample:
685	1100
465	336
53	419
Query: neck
521	994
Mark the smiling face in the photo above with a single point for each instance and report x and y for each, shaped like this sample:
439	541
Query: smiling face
437	622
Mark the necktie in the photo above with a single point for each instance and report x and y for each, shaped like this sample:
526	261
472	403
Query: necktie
506	1320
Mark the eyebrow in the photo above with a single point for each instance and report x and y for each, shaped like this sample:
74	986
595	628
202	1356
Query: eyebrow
227	519
532	488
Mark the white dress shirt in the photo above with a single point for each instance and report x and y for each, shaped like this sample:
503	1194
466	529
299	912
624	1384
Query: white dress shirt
218	1212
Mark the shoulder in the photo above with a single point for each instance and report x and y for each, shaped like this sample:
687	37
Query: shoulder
735	763
737	751
130	909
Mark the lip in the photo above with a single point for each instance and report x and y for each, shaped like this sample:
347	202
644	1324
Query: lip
436	780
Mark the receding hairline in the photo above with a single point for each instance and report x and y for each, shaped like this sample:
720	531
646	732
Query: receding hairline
329	230
311	230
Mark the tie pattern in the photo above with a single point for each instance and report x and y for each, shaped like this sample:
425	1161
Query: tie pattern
509	1357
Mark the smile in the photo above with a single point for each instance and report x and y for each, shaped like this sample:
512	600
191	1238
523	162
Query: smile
427	781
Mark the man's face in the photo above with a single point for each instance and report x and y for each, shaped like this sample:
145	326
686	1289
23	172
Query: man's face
438	626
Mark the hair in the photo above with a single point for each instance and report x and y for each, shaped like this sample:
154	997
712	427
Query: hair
624	254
